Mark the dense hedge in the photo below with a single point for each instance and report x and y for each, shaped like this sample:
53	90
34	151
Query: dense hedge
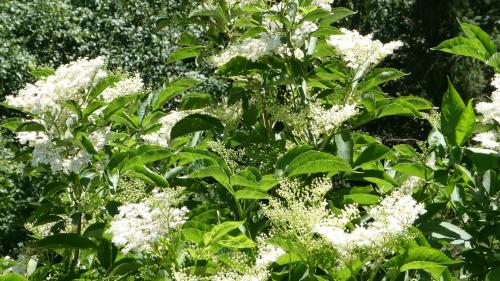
54	32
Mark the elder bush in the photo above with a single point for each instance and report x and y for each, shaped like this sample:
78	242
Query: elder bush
273	180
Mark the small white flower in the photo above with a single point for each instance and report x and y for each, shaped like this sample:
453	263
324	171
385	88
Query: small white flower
323	4
392	218
358	50
298	54
489	140
325	120
267	254
69	82
138	226
162	136
491	110
124	87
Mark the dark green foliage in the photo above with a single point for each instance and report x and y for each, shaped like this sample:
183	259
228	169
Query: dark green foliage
55	32
17	196
423	25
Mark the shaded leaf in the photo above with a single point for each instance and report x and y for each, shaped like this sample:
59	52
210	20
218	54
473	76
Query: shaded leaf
237	242
250	194
221	230
184	53
372	152
194	123
66	240
457	120
173	89
312	161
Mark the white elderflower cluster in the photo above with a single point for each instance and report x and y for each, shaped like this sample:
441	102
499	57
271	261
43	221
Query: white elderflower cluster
240	266
301	207
358	50
323	4
488	140
389	224
243	3
138	226
269	43
302	32
69	82
161	137
250	48
59	158
261	275
491	110
230	115
230	156
325	120
124	87
267	253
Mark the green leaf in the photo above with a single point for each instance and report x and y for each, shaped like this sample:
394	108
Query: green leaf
72	106
288	157
66	240
464	47
144	173
221	230
88	145
336	14
362	198
372	152
30	126
95	230
494	61
393	109
216	172
483	161
194	123
12	277
465	125
106	254
315	15
417	103
115	105
240	66
188	155
288	258
445	231
172	90
11	123
312	161
184	53
379	76
457	120
413	169
146	157
92	107
344	146
428	254
266	183
237	242
192	235
125	268
250	194
103	84
493	275
474	31
195	101
326	31
42	72
436	270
